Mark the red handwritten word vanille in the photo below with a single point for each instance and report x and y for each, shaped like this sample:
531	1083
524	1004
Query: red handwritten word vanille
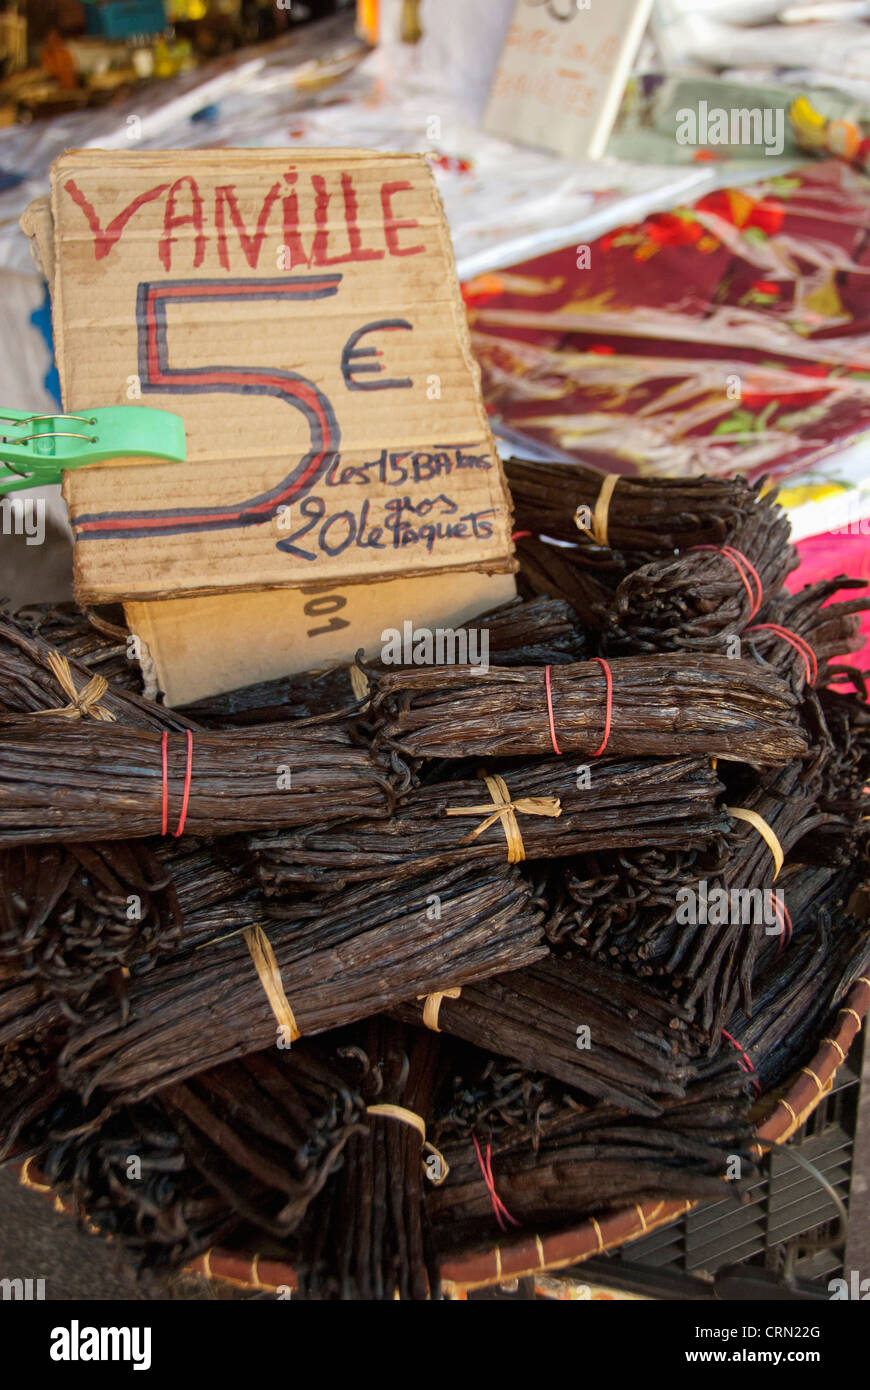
185	207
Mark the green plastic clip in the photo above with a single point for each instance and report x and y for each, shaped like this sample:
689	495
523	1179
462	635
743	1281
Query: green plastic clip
35	449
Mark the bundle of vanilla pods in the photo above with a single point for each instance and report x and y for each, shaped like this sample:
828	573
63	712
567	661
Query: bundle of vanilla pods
37	678
567	1017
63	780
644	514
72	914
525	1156
694	601
367	1235
98	640
652	706
248	1145
557	813
366	949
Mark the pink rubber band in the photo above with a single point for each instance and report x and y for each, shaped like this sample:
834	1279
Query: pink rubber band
738	560
164	758
163	749
608	712
799	643
501	1212
187	779
556	748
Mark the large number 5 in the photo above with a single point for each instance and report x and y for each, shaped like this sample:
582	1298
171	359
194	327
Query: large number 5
156	374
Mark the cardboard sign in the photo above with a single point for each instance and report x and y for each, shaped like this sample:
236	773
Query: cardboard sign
563	71
201	646
300	310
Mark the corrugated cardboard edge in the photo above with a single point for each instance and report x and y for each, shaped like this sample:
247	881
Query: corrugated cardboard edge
535	1254
37	225
506	564
89	598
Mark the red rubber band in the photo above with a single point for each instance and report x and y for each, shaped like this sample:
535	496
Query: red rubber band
745	1059
608	713
501	1212
163	749
518	535
556	748
799	643
784	920
187	778
738	560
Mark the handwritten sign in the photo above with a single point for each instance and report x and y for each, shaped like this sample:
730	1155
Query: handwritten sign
300	310
562	73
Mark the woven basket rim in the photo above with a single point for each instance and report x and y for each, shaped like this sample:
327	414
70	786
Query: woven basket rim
536	1254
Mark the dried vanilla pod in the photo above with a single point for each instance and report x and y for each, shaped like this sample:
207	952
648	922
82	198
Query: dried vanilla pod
796	994
639	1048
716	959
518	633
98	640
622	903
553	1161
29	1090
362	951
799	637
243	1147
366	1236
659	706
628	802
846	769
73	914
697	599
29	685
584	577
79	780
644	513
27	1009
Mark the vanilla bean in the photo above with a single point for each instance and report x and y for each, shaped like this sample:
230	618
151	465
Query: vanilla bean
28	685
661	706
625	802
656	514
553	1160
706	595
363	952
246	1145
79	781
829	631
609	1038
385	1254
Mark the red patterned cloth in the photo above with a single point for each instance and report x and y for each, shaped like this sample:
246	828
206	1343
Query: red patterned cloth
729	336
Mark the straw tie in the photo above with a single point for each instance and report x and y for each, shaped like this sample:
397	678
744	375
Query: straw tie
82	702
765	831
432	1006
410	1117
503	809
360	683
266	963
601	512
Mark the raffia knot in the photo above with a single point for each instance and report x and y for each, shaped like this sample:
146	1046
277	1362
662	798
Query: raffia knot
82	703
503	809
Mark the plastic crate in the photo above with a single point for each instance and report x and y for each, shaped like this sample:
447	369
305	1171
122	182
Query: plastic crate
122	19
